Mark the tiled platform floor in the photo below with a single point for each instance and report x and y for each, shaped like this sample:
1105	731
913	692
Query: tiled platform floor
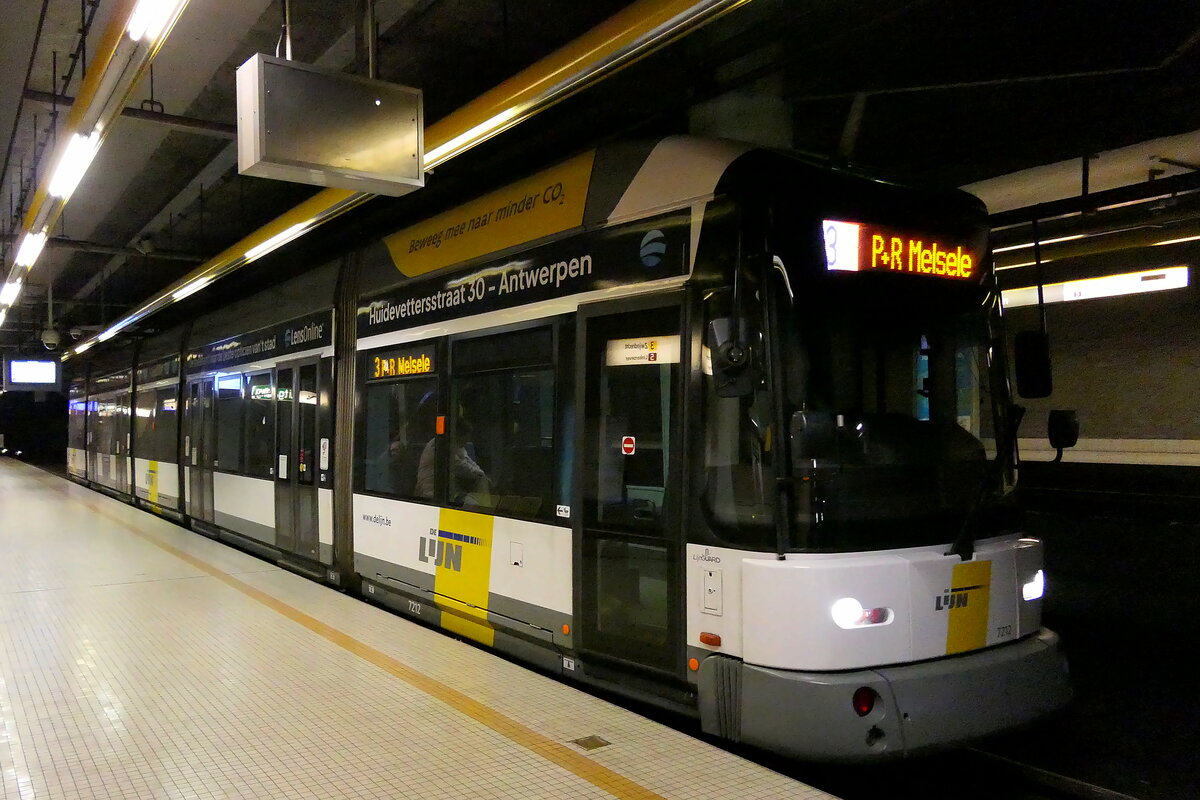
138	660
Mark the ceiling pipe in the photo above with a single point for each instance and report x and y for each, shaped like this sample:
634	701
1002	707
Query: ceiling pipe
191	124
1160	187
78	246
626	37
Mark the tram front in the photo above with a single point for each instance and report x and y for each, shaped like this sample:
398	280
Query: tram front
868	566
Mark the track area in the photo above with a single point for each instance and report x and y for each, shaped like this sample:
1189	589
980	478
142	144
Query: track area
961	773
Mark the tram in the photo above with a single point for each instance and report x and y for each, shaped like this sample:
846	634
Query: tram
719	428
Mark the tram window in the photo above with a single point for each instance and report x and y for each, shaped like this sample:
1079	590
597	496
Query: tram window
76	429
260	425
307	432
517	349
166	425
634	597
502	442
145	439
939	375
229	422
400	421
739	470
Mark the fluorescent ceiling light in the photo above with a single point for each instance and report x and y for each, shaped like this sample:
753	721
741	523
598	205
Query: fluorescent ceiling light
149	18
84	347
1023	264
1177	241
480	132
3	312
73	164
1154	280
8	295
1045	242
31	248
111	332
275	241
191	288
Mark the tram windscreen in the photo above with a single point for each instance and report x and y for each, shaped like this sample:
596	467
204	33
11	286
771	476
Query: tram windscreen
900	403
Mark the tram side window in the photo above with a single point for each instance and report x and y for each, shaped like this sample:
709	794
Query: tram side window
145	439
739	471
260	425
229	422
166	423
398	438
77	421
502	429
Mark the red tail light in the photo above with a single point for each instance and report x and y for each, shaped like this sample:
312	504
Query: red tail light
864	700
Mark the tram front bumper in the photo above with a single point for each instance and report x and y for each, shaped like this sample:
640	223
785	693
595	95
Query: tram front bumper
921	707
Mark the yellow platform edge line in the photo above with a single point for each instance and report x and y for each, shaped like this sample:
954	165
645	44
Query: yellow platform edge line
559	754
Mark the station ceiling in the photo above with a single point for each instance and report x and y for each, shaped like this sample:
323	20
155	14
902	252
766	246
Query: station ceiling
936	91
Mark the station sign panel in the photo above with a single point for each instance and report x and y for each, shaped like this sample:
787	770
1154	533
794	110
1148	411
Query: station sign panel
32	375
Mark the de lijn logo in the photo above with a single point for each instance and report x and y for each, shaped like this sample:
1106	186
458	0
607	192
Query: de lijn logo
654	247
956	597
441	548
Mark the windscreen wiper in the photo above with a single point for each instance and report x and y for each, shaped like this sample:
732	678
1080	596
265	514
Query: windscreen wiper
964	544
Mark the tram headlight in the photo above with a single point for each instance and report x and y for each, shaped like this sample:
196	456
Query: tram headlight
1035	587
848	613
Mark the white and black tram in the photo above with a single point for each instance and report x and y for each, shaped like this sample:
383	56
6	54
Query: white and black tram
712	426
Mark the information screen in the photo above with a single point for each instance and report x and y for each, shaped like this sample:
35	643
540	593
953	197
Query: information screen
865	247
26	375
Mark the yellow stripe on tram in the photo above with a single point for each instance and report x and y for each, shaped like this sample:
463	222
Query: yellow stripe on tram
970	592
464	571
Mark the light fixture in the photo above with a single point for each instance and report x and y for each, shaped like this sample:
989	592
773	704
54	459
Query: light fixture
8	295
31	248
848	613
1154	280
1035	587
487	128
1022	264
110	333
3	313
275	241
1044	242
1177	241
191	288
149	18
73	164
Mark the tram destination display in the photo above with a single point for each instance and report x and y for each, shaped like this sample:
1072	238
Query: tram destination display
865	247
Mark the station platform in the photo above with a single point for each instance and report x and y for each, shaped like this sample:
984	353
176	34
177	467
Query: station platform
142	660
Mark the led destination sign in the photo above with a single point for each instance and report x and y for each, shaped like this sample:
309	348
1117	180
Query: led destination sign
411	363
861	247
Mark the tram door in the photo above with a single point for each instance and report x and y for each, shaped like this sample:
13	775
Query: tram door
295	458
123	440
200	449
631	554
